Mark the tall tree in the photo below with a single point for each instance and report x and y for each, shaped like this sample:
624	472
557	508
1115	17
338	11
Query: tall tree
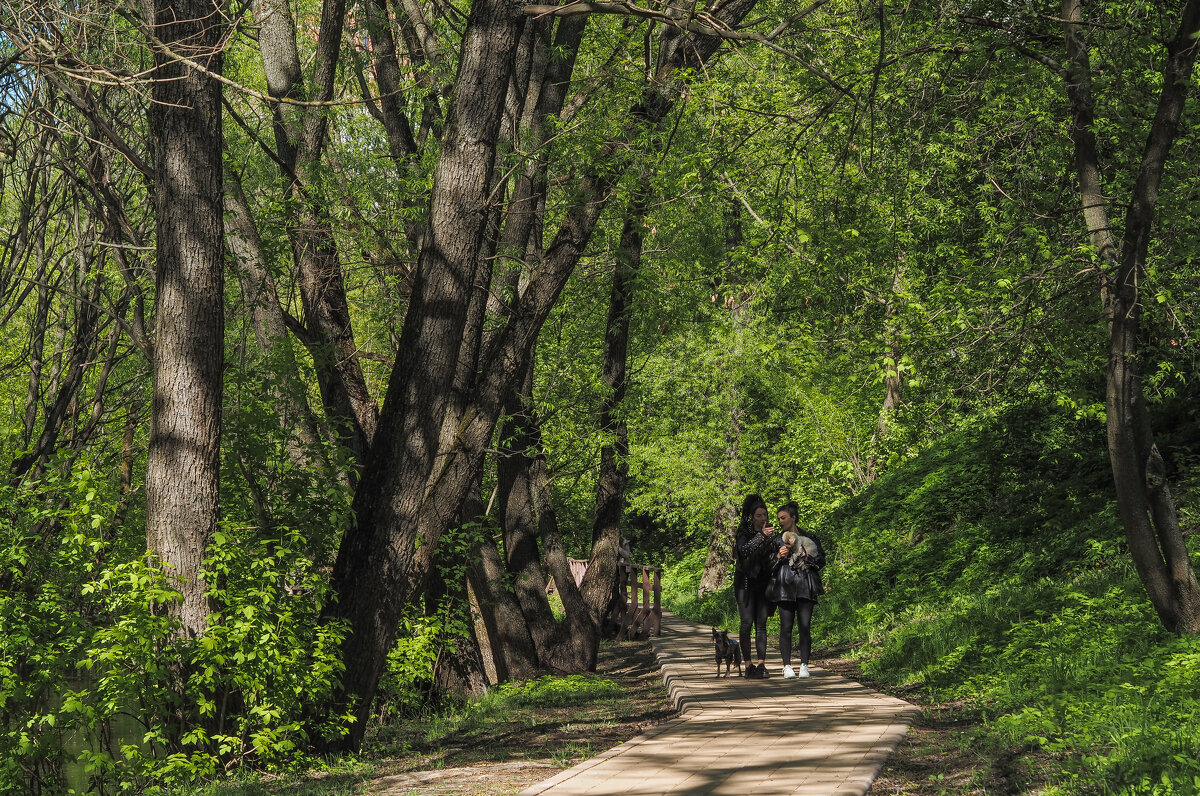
420	469
182	471
1148	512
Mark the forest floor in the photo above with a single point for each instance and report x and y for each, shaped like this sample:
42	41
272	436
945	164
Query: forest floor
528	745
504	751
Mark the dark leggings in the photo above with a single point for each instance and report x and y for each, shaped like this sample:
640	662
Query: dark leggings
752	610
788	612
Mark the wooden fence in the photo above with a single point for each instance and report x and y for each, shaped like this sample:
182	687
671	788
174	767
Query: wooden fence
636	608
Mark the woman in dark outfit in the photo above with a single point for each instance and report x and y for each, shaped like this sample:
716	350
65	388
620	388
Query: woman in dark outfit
796	585
754	549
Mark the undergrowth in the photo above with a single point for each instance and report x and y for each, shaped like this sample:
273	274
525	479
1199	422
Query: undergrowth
991	572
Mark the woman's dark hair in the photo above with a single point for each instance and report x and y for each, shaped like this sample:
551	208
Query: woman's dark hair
751	504
792	508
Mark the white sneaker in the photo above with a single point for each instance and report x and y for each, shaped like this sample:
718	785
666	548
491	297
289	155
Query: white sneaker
788	672
803	671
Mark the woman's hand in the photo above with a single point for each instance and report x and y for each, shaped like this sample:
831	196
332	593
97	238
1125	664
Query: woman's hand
783	551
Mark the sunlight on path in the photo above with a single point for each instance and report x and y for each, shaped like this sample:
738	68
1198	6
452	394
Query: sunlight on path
821	736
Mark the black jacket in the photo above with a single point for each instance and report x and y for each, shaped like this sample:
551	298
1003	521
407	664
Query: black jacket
754	549
794	576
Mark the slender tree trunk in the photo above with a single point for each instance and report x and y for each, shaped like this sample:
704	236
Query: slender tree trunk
724	530
300	138
508	641
893	382
600	580
296	417
182	471
576	647
37	345
1143	494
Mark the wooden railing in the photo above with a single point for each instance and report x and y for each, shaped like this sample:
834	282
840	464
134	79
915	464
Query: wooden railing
636	608
637	604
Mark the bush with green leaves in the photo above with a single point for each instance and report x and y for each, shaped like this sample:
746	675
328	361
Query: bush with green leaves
98	689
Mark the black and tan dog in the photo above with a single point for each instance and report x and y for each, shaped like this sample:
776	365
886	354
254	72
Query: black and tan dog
728	650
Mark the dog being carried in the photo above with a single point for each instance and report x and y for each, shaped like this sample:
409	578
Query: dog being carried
728	650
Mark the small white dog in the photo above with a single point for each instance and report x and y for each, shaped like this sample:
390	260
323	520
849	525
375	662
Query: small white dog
800	546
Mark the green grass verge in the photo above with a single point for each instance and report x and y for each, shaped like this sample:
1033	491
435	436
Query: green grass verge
990	573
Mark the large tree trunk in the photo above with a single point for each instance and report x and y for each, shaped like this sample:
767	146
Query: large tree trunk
527	515
182	469
513	653
373	587
1143	495
600	580
518	519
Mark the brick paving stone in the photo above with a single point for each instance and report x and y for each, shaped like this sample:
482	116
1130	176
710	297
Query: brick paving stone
816	737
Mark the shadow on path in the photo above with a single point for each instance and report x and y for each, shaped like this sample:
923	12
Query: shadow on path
820	736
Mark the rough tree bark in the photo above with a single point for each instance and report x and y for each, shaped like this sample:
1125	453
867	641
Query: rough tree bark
1143	495
182	470
527	516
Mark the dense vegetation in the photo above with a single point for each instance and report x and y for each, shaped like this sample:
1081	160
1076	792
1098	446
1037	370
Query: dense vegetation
990	573
331	329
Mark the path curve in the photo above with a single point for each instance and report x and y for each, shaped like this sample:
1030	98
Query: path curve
816	737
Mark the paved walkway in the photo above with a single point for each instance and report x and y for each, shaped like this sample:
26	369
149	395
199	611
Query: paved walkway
817	737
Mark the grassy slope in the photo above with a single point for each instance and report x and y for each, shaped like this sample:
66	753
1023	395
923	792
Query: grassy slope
990	573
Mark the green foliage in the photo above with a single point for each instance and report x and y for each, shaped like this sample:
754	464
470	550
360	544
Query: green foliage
429	632
680	582
99	691
506	702
991	570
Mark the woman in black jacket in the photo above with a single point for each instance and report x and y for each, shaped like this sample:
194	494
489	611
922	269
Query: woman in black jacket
754	549
795	585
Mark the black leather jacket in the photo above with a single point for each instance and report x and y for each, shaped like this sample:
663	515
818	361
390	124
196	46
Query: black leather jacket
797	578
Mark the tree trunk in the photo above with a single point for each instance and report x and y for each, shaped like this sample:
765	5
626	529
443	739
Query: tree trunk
296	417
518	519
390	503
1143	495
508	641
182	470
601	578
300	138
458	671
725	519
513	653
893	383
